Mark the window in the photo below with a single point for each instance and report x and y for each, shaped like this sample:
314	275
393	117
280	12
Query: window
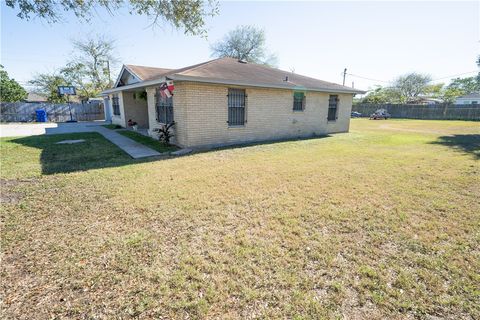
298	101
115	105
236	107
332	108
474	102
164	107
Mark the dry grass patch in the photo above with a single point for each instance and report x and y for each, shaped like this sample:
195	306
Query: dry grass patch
377	223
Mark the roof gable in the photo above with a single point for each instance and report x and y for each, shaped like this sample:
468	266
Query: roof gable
131	74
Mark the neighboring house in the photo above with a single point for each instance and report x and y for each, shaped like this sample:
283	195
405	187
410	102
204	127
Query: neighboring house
473	98
426	100
226	101
35	97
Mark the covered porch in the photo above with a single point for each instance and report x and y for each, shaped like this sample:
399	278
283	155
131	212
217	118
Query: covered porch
135	108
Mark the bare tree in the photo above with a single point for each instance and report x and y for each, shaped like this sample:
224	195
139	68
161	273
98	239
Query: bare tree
244	43
89	69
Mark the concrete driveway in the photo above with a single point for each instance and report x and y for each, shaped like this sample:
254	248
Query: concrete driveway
34	129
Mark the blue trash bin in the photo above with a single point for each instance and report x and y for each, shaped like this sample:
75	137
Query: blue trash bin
41	115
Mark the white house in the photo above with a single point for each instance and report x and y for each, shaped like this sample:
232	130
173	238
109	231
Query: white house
472	98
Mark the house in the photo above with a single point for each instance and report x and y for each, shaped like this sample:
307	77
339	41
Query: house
226	101
426	100
472	98
33	97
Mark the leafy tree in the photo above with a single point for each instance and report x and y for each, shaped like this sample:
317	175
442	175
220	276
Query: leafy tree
47	84
451	93
88	71
188	15
244	43
466	85
461	86
434	90
410	86
10	90
381	95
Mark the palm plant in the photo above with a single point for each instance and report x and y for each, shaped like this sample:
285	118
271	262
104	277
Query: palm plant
164	134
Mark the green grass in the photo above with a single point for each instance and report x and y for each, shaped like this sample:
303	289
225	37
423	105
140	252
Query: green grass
379	223
33	156
147	141
112	126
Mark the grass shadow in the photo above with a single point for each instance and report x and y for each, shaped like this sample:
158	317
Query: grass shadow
467	143
95	152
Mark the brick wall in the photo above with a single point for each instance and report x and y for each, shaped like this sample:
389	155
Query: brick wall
201	114
269	115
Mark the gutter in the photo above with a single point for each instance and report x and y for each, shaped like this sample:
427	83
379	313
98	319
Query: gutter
231	82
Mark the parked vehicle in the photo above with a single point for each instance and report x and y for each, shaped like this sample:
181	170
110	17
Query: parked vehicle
380	114
355	114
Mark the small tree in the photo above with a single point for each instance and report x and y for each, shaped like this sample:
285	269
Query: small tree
244	43
47	84
10	90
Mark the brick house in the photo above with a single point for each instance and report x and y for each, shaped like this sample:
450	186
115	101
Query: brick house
226	101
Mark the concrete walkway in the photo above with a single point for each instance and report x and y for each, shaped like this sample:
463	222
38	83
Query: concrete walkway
134	149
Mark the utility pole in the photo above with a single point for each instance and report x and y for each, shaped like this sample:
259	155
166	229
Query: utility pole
109	77
108	71
344	74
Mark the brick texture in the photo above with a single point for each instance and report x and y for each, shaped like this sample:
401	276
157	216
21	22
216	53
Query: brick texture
201	114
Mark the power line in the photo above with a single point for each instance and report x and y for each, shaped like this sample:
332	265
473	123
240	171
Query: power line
446	77
367	78
455	75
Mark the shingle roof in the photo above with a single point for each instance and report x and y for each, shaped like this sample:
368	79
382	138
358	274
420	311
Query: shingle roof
146	73
232	71
470	96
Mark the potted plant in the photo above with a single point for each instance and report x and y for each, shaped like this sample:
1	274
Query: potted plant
133	124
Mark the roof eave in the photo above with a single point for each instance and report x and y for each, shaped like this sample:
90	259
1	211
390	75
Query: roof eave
135	85
230	82
261	85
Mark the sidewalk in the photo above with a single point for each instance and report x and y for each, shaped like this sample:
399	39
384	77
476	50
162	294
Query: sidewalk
134	149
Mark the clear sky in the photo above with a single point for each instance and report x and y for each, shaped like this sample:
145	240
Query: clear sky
376	40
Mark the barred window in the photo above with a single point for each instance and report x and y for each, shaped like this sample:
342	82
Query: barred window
115	105
332	108
298	101
164	107
236	107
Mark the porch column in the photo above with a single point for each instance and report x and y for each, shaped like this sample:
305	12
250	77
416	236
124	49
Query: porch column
152	113
106	108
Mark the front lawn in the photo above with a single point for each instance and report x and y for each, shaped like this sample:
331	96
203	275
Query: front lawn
147	141
379	223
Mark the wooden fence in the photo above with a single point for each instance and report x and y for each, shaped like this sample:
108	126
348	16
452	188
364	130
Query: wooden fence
429	112
25	112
